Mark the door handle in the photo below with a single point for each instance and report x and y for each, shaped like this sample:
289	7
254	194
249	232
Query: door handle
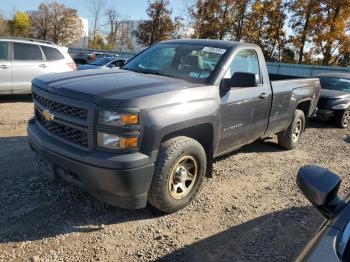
263	95
4	66
42	65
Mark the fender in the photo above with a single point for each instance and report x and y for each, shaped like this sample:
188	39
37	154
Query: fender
160	122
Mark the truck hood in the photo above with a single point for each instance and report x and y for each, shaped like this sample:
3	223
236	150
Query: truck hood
334	94
107	87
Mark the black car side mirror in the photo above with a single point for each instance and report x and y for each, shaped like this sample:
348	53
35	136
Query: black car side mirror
241	79
320	187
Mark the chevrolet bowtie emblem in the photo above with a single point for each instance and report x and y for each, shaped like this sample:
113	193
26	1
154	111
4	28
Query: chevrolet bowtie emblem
48	116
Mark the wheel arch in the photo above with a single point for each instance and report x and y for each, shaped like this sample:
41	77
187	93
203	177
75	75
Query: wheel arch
304	106
203	134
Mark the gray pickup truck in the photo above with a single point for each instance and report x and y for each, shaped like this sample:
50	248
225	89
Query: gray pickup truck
148	133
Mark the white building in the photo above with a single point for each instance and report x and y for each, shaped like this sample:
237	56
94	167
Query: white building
128	39
84	41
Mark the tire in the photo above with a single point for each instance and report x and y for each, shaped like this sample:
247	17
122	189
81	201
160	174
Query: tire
291	137
342	118
172	188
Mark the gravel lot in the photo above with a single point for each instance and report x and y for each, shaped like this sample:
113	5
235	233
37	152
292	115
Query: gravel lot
250	210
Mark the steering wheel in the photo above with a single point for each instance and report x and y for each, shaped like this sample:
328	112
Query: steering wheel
205	71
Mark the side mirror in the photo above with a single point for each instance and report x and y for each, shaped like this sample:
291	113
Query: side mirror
320	187
241	79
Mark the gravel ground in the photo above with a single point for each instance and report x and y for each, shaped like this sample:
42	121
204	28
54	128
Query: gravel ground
250	210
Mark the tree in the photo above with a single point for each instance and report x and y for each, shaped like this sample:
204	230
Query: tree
240	19
303	20
256	22
212	19
288	56
265	27
19	25
99	42
275	40
160	25
114	27
332	38
41	22
95	8
3	25
67	27
56	23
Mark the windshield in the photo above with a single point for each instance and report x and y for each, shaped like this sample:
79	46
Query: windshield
101	61
194	63
335	83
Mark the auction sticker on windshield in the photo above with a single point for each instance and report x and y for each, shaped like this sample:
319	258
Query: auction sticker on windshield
214	50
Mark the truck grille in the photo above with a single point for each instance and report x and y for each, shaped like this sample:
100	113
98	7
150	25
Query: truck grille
61	108
71	134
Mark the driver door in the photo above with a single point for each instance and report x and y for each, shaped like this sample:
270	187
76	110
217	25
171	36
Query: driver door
244	110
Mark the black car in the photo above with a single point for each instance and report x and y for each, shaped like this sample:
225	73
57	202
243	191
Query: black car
334	102
331	243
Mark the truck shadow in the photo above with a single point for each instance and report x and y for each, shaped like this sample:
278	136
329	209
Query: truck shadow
317	124
15	98
347	140
259	146
33	208
272	237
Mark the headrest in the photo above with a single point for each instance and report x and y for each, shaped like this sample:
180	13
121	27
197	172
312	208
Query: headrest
194	60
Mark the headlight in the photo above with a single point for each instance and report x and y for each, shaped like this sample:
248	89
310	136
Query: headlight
110	118
111	141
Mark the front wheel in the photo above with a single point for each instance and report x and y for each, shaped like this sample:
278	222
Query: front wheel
179	172
342	118
291	137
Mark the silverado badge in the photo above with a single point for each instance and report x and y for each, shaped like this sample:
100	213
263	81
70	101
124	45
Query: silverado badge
48	116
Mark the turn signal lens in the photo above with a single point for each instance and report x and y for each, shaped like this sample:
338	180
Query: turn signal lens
112	141
131	119
110	118
129	142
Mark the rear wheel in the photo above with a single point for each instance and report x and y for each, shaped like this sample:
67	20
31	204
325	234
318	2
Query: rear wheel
178	175
291	137
342	118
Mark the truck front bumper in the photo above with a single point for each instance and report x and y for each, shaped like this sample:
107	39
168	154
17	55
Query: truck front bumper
121	181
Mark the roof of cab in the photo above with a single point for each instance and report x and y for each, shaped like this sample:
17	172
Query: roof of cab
209	42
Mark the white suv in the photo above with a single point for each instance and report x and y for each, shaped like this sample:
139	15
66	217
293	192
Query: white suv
23	60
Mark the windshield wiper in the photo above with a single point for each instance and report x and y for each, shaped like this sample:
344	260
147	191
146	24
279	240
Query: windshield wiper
148	71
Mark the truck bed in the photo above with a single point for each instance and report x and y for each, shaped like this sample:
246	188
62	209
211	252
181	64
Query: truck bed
286	91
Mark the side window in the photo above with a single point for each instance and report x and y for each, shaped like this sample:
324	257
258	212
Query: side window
119	63
27	52
245	61
3	50
52	54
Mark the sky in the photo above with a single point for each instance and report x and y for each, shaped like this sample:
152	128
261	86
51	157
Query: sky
128	9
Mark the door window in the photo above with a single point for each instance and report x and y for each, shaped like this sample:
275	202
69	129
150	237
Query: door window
27	52
52	54
245	61
3	50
